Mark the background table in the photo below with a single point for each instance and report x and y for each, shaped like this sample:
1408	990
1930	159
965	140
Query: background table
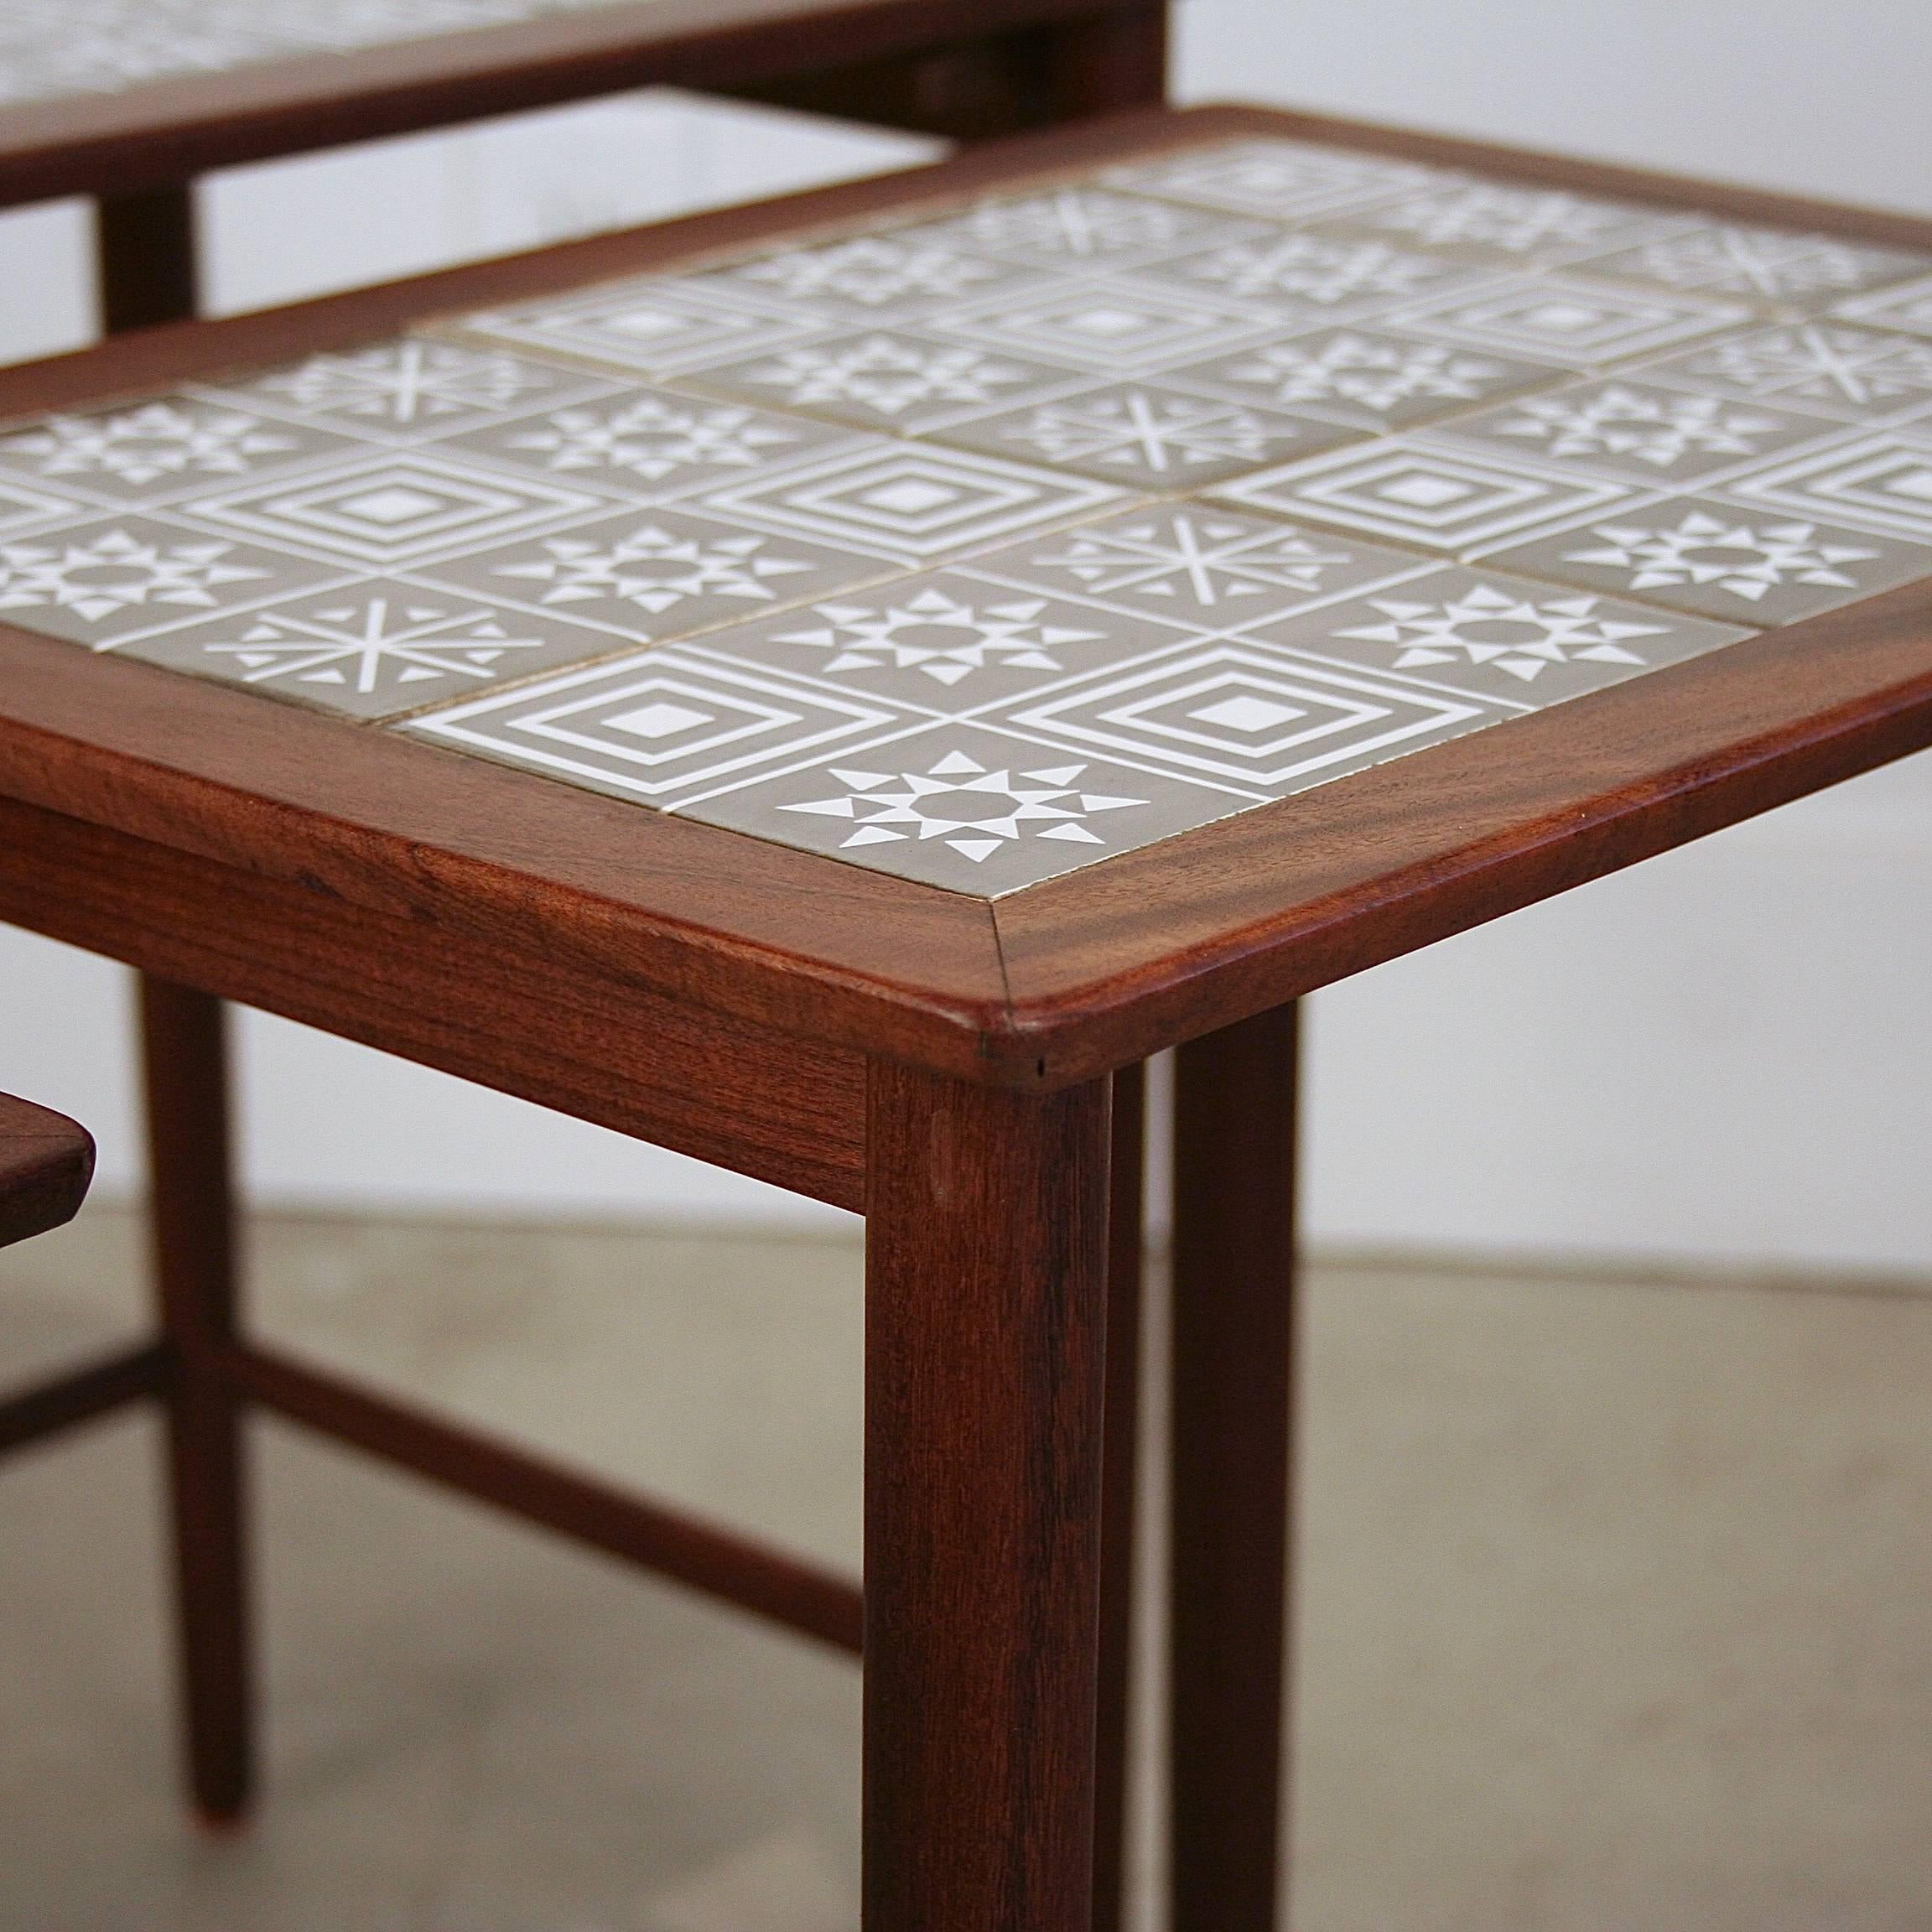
46	1161
1290	659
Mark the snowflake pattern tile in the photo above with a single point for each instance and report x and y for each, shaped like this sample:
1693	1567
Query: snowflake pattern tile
1153	438
1500	638
1856	374
1705	555
1883	480
1489	222
1771	267
1311	277
1909	308
870	277
1195	563
1278	181
374	648
1070	227
1563	319
968	808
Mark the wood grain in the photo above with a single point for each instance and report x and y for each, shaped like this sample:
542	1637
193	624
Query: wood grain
46	1165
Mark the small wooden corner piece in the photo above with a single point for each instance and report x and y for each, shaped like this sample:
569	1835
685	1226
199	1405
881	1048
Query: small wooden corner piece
46	1162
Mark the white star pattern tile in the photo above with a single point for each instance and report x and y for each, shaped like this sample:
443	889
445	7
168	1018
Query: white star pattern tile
1488	221
1565	318
1071	226
1317	277
1770	266
1884	481
1856	374
871	277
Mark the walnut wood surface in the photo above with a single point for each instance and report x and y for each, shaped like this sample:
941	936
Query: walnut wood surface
46	1163
1045	986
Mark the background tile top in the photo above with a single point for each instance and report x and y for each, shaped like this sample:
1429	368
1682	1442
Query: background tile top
976	546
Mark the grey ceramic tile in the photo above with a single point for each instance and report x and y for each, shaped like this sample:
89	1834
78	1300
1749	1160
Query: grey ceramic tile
1495	222
970	809
1748	565
1443	500
1636	431
1772	267
1153	437
1278	181
914	502
1377	378
374	647
895	275
1072	226
101	582
653	574
1579	322
1882	480
646	445
658	724
1908	307
1860	375
1487	635
1198	564
1231	712
894	379
387	508
946	641
23	510
149	452
408	390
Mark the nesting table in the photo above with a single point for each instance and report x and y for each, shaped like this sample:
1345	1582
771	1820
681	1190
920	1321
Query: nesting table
127	100
46	1163
833	688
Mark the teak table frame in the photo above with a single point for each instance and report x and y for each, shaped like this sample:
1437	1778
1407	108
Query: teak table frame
965	1072
46	1164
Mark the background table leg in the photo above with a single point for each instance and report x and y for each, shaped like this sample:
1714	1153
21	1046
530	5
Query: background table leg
146	249
193	1226
1234	1307
1105	63
986	1255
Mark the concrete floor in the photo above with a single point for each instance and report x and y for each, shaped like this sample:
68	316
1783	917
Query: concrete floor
1616	1606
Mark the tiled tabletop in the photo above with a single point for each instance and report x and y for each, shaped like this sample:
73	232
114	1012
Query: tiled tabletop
53	48
975	548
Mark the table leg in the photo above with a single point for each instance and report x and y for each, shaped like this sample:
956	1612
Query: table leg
1104	63
145	245
986	1254
1233	1351
194	1229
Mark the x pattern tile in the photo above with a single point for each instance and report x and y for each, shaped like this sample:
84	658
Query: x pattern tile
977	546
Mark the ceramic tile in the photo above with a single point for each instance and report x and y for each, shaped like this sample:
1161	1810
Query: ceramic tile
23	510
968	808
1197	564
99	583
1377	378
1440	499
1154	437
1857	374
1636	431
1565	319
655	574
896	276
1770	267
1278	181
409	390
388	508
1702	554
892	379
1909	308
1883	480
374	647
149	452
1492	222
658	724
1230	712
946	641
649	444
915	503
1503	638
1072	226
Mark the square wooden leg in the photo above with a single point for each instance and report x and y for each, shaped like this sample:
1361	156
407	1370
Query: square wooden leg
986	1293
149	268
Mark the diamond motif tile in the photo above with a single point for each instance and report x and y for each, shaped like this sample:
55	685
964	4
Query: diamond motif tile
654	573
1856	374
975	810
1908	307
1154	438
373	648
888	379
149	452
865	278
1071	226
1768	266
1440	499
1278	181
389	508
656	725
1749	566
23	510
650	444
1196	563
913	503
1377	377
1306	278
1486	635
1635	430
1567	320
947	642
1111	326
102	582
1884	480
1491	222
1234	712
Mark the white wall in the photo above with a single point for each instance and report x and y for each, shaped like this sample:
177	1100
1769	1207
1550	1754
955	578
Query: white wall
1725	1053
